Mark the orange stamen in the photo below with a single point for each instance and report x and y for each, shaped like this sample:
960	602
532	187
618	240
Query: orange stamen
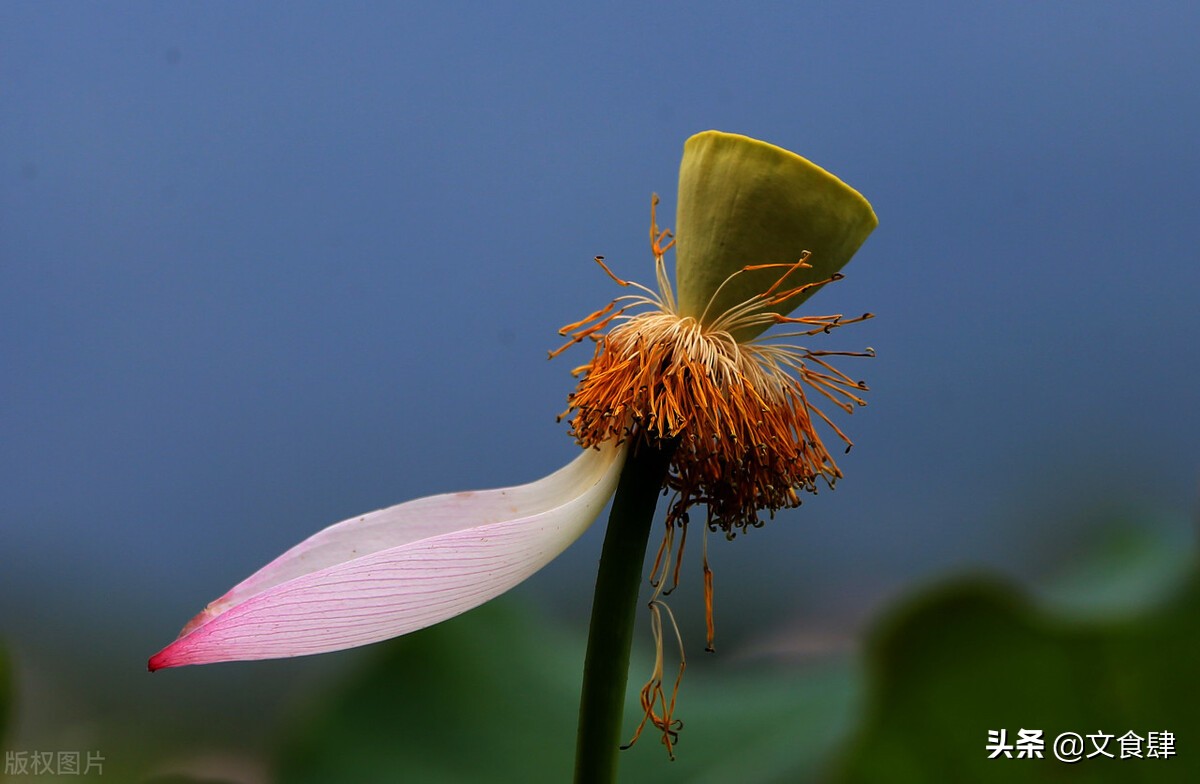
622	283
710	630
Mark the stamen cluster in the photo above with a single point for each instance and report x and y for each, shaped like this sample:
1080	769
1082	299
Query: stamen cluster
739	411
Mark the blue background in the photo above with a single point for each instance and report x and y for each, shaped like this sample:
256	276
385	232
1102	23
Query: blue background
266	266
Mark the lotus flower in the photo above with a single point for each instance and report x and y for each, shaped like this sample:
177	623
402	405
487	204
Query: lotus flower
760	230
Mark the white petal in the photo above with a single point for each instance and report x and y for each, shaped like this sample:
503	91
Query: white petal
399	569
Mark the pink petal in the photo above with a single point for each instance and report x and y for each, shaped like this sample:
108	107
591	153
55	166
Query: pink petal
399	569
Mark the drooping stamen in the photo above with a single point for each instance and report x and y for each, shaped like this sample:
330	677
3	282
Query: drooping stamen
656	708
664	552
710	629
678	557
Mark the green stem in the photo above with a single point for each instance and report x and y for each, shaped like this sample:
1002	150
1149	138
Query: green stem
614	606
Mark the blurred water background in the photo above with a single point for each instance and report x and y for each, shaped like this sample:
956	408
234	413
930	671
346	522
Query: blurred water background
265	266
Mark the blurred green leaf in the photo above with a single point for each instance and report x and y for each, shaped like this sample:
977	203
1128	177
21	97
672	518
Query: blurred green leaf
458	702
1126	568
975	655
493	696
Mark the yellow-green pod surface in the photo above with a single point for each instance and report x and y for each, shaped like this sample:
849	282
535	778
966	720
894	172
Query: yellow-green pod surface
742	201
